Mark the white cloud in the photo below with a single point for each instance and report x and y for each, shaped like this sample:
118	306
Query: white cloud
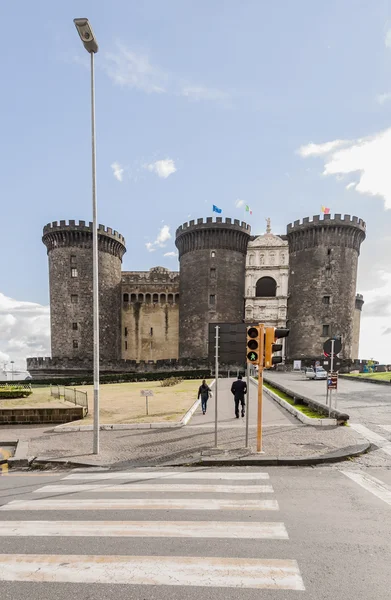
376	316
198	93
382	98
118	170
128	69
312	149
171	254
161	239
368	157
351	185
387	40
134	70
239	203
163	168
24	331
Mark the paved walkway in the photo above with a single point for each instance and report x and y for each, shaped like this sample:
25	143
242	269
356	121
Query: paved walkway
273	414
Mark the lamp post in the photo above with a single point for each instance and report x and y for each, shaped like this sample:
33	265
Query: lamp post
86	34
12	369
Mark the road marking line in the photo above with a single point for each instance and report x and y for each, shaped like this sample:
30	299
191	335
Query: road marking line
153	487
371	484
170	475
174	529
371	436
141	503
153	570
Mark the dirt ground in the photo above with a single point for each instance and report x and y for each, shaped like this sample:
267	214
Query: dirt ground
123	403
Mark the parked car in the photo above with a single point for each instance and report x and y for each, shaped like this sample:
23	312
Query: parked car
316	373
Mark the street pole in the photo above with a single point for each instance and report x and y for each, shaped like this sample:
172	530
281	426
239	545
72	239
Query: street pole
12	370
87	36
95	275
331	370
216	380
248	402
260	386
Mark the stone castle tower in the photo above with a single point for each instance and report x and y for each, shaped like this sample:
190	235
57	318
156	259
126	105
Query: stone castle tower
212	257
323	259
69	248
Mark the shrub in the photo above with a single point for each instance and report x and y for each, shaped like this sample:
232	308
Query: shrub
122	377
8	392
171	381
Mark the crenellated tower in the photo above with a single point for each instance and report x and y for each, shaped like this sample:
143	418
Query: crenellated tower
69	248
212	257
323	260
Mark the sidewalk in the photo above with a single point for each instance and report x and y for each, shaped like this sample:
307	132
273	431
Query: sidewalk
283	438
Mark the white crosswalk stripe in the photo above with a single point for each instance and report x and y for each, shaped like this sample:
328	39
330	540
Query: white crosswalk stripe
99	494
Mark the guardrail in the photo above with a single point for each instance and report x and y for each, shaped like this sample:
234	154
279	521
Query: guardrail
77	397
367	379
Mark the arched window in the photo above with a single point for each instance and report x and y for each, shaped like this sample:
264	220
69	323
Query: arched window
170	299
141	297
133	298
176	298
126	298
163	298
266	287
155	298
148	298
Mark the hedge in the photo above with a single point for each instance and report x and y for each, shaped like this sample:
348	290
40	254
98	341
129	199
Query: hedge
14	392
120	378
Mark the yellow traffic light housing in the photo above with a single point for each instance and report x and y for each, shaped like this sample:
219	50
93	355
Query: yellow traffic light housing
272	334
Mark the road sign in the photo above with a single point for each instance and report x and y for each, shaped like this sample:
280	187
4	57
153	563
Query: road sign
146	394
328	344
332	381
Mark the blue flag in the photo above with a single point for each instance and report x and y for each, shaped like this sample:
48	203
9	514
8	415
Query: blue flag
218	210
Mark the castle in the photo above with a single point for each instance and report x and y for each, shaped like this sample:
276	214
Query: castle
304	280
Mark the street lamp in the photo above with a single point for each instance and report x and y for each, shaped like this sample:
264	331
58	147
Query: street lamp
86	34
12	369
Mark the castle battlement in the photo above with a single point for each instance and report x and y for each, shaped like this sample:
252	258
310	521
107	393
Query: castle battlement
219	221
72	225
326	221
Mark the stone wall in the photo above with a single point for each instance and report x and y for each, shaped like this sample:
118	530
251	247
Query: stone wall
150	315
323	258
357	325
71	300
212	258
26	416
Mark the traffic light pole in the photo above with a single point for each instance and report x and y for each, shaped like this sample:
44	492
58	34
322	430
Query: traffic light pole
248	402
260	386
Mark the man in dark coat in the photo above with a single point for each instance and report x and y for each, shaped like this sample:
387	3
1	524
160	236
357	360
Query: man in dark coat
239	389
204	392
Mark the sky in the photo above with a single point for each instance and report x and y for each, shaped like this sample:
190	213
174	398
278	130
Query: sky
283	106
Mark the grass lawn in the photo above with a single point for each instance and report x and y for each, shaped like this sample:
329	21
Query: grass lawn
386	376
122	402
306	410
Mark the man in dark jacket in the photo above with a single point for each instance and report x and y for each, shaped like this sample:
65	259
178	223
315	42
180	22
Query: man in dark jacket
239	389
204	392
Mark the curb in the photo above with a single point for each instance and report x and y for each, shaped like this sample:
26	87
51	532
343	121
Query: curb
20	458
124	426
63	462
277	461
314	422
366	380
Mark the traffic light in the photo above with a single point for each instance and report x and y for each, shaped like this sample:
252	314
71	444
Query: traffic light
272	334
253	341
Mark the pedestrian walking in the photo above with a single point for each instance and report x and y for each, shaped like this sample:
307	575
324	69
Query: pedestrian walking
239	389
204	392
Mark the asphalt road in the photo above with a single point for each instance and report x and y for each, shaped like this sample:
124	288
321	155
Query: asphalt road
317	534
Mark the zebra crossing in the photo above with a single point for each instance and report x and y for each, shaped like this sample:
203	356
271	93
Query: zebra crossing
197	507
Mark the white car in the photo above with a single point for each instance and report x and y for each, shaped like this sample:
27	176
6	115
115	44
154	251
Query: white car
317	373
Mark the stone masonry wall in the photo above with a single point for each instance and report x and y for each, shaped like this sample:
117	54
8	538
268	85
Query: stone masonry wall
323	258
